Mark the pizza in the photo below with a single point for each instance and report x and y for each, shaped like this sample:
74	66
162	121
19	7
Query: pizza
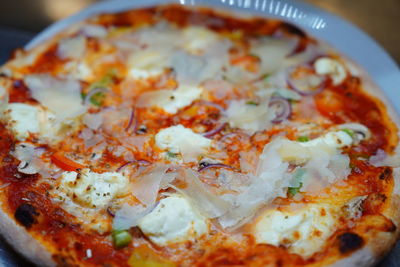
176	136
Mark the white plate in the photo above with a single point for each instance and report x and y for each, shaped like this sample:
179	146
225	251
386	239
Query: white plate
337	32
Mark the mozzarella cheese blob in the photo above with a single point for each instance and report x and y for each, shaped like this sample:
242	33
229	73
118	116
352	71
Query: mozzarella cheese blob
331	67
173	220
170	100
21	119
93	190
303	231
180	140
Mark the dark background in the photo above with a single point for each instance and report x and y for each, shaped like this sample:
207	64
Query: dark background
20	20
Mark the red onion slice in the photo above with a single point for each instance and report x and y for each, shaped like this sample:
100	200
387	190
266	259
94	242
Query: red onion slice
316	90
282	109
91	93
215	165
214	131
131	119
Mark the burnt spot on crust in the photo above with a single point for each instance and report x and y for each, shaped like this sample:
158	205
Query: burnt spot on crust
26	215
386	173
349	242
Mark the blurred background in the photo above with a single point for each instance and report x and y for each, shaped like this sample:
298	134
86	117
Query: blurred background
381	19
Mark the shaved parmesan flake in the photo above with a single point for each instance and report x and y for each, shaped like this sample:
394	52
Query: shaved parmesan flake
62	97
180	140
93	121
170	100
145	187
93	30
208	203
381	159
272	53
128	216
72	48
251	118
197	39
146	63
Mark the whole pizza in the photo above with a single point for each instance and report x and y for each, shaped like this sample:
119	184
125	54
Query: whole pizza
175	136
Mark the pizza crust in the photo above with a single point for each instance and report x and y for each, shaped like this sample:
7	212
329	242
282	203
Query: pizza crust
23	242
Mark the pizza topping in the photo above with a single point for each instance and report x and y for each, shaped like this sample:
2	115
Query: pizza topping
381	158
65	163
128	216
121	238
251	118
302	231
170	100
21	119
62	97
173	220
331	67
72	48
147	185
29	157
303	81
93	190
180	140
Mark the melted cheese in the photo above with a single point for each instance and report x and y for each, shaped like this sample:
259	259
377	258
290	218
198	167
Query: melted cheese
197	39
94	190
173	220
170	100
303	231
180	140
21	119
331	67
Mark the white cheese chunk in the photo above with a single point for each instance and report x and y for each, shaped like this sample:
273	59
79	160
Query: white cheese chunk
251	118
170	100
24	119
303	231
147	63
178	139
94	190
331	67
72	48
21	119
173	220
197	39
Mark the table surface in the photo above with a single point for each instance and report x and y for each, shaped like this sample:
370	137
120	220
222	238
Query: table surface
379	18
